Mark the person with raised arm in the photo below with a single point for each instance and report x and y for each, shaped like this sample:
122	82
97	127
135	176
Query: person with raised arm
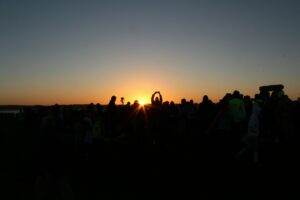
158	100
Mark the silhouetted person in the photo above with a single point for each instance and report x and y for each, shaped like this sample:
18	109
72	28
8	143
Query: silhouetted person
112	117
237	108
237	113
248	107
183	119
158	100
173	114
205	113
282	116
183	109
138	117
99	109
112	103
155	117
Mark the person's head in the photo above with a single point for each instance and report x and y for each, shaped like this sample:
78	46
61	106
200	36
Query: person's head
99	107
113	98
91	106
112	102
205	98
236	94
247	97
172	103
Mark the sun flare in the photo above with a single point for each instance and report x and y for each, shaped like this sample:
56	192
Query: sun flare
142	102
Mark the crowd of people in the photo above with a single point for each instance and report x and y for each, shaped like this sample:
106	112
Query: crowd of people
258	131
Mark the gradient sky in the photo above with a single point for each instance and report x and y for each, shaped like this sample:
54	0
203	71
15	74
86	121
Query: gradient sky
86	51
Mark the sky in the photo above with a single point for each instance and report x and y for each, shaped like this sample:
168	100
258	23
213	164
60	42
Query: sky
74	52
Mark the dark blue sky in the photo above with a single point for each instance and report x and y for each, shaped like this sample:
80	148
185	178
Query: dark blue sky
83	51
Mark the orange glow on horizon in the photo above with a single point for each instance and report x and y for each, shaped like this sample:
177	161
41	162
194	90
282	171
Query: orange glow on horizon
138	89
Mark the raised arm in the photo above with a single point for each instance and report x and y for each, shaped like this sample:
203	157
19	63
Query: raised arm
152	97
160	98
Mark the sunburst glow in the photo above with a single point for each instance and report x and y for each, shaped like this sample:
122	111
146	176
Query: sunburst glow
142	102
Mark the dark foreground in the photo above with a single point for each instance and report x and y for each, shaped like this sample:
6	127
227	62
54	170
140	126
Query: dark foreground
118	169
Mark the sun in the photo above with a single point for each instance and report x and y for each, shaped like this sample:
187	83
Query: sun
142	102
